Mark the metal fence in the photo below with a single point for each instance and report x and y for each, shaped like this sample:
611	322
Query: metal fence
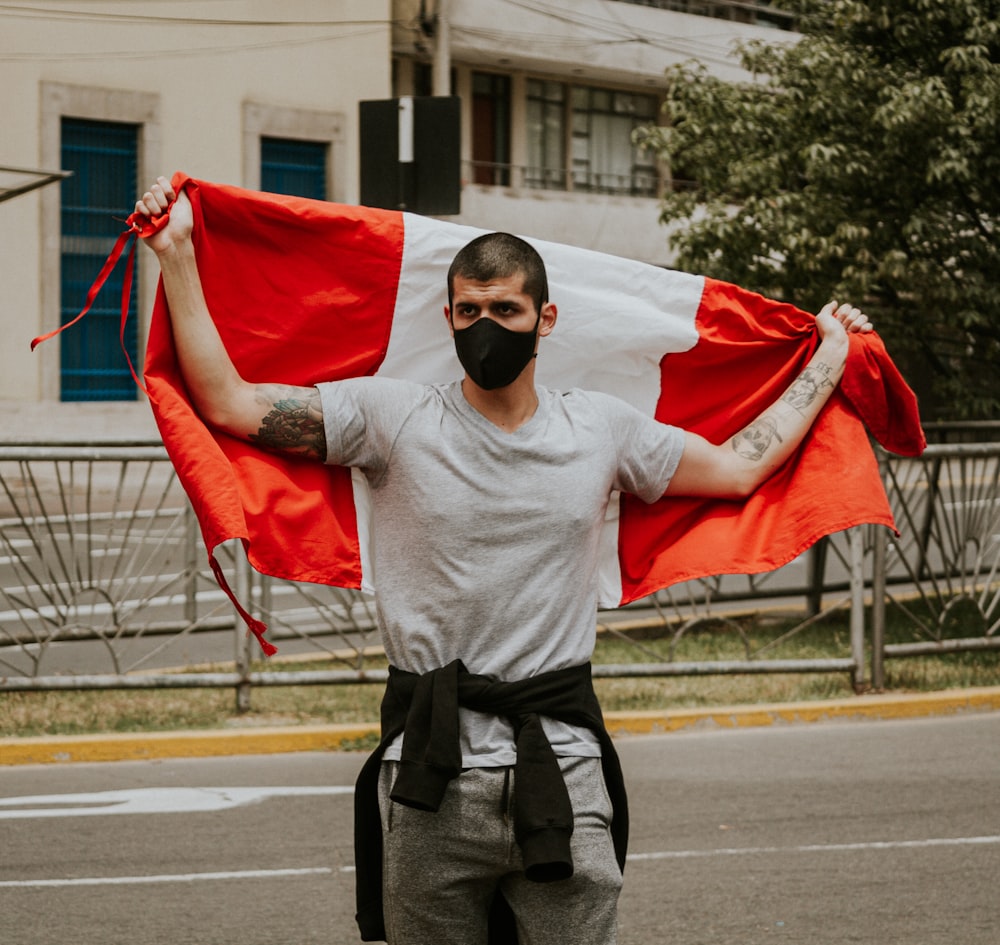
104	584
943	572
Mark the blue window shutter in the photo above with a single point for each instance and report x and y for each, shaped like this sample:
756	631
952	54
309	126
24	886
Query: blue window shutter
290	166
95	200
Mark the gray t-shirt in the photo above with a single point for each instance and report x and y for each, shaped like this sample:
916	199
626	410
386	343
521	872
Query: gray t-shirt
486	543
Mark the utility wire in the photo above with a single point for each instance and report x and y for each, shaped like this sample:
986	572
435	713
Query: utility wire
185	51
54	13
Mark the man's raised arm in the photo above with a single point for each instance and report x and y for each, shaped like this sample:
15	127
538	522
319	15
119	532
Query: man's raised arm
736	468
275	416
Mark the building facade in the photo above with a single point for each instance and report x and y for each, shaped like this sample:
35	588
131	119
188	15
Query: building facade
266	95
551	91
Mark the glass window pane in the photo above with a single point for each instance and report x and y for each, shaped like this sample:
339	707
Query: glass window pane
604	158
645	106
546	135
491	129
623	102
290	166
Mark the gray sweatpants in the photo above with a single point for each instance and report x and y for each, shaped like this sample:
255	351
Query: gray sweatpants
442	869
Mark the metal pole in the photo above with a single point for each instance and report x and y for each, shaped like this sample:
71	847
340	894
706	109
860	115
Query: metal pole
857	549
242	638
817	571
879	539
190	565
441	75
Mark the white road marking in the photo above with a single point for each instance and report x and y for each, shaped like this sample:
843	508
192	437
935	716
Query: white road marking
201	800
633	857
817	848
151	801
807	848
176	878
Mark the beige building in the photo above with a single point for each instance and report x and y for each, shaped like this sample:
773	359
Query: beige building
265	94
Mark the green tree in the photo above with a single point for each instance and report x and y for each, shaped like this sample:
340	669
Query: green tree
862	162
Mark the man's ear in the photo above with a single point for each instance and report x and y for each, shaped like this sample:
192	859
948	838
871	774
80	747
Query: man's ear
547	321
447	318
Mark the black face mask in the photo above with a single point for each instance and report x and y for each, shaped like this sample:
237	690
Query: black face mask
494	356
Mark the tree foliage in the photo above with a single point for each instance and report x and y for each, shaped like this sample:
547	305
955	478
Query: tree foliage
862	162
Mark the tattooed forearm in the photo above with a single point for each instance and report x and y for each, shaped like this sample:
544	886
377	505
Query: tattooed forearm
755	440
810	384
295	424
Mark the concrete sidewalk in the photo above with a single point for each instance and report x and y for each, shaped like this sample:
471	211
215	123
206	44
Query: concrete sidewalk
248	741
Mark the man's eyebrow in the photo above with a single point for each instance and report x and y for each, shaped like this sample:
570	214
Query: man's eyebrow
469	303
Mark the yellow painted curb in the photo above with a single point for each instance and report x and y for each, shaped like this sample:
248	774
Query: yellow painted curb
52	749
56	749
886	706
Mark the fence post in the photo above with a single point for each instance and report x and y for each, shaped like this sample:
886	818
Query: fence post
817	571
926	527
879	539
190	564
857	551
242	638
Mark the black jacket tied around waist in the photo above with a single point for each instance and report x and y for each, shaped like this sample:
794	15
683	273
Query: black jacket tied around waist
425	709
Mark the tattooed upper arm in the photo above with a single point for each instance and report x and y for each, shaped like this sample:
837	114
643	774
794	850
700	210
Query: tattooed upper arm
294	422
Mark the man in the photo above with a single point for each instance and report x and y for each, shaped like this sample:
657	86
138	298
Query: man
497	785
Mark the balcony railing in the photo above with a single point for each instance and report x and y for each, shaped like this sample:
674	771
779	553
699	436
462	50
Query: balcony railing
640	183
753	12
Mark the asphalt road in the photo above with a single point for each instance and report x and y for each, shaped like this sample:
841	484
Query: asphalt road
823	834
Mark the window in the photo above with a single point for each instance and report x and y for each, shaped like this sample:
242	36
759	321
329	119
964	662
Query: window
294	167
546	110
94	202
490	129
294	151
604	160
423	78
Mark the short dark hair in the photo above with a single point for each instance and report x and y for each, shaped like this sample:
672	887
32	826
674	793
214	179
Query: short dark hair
499	256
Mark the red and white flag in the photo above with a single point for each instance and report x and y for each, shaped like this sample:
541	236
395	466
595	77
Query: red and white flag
305	291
